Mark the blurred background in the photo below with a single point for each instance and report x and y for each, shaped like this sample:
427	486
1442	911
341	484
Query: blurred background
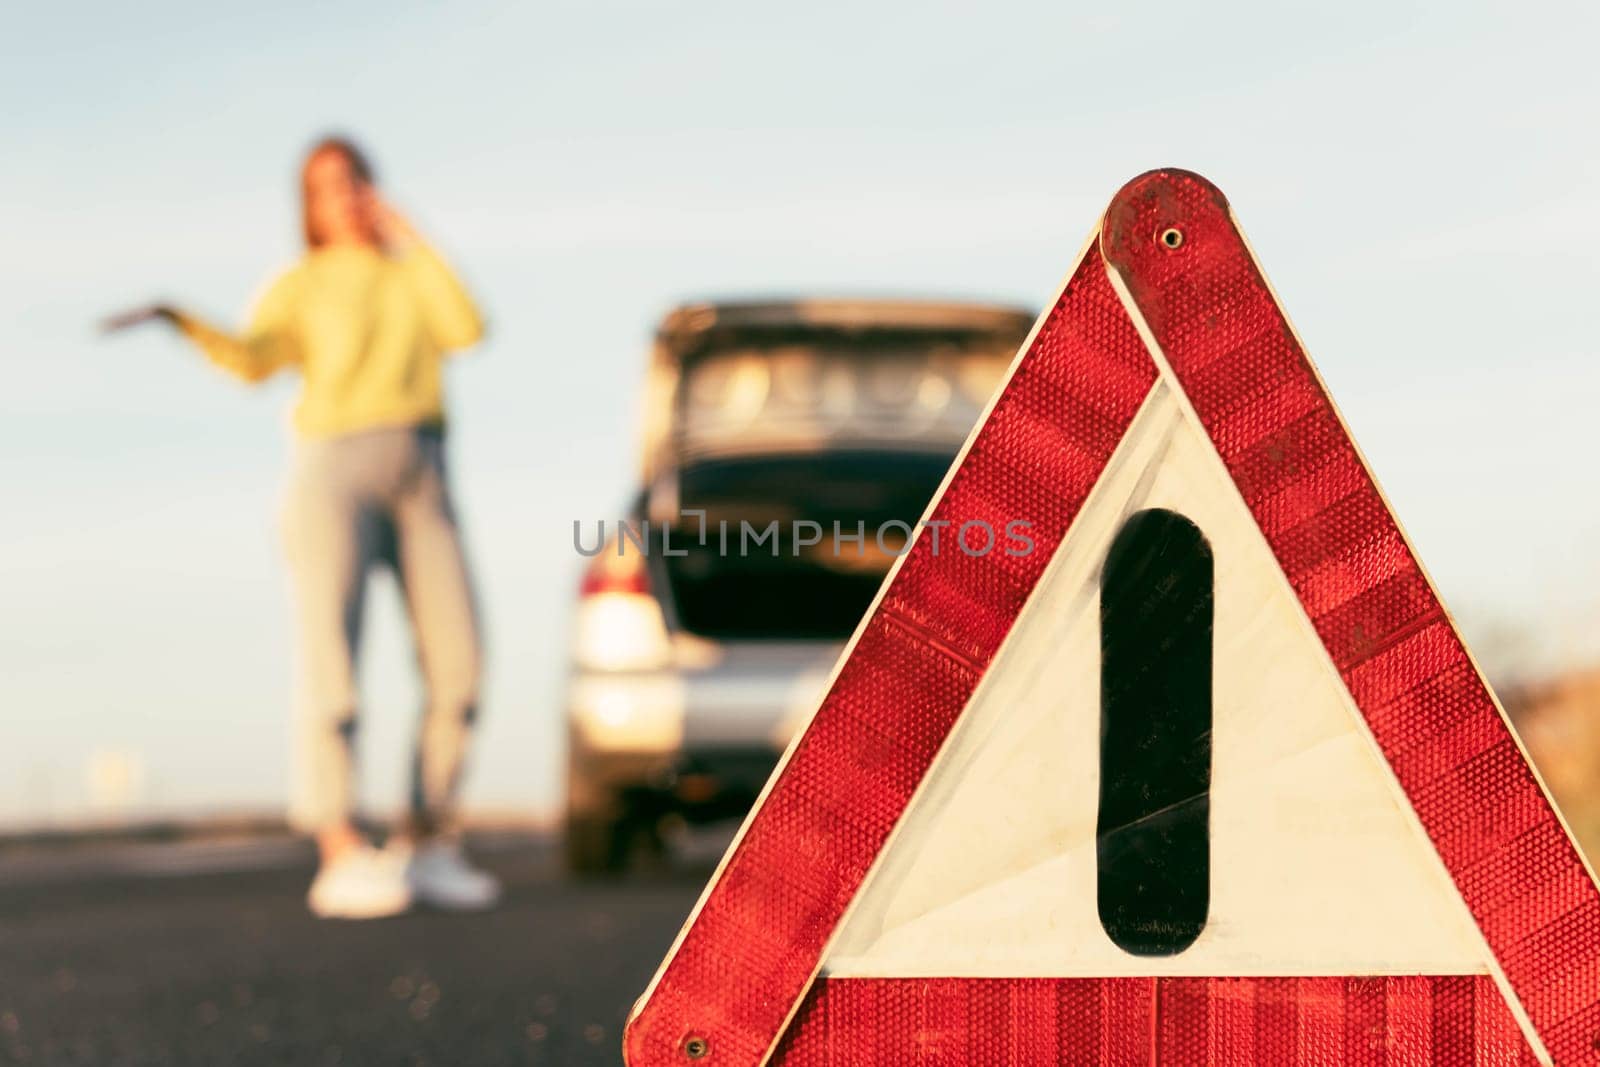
1419	180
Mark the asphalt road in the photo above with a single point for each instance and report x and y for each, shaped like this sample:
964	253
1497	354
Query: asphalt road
167	966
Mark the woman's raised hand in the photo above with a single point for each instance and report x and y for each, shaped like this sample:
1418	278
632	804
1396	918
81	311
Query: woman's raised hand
137	316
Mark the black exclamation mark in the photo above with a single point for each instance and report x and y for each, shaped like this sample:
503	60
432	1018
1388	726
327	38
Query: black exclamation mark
1154	847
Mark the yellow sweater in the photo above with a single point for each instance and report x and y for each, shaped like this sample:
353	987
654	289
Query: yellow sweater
368	331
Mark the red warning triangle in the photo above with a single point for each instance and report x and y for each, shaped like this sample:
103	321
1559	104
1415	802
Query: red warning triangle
1203	775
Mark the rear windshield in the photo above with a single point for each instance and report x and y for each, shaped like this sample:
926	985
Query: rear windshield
801	391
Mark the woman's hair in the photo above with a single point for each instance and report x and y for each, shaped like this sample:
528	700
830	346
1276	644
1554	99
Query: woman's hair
353	157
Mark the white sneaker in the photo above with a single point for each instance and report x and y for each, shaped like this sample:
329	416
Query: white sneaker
439	875
362	884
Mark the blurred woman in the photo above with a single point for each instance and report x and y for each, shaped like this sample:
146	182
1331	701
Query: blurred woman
367	317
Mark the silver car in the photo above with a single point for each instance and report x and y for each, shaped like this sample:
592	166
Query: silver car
788	448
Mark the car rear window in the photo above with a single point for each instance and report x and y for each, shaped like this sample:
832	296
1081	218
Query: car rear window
800	391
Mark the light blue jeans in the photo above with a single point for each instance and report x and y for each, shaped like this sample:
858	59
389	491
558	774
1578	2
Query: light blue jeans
359	501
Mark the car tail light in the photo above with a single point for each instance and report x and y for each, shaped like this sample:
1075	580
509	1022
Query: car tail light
619	625
613	572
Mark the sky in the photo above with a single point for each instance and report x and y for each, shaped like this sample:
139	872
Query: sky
1419	182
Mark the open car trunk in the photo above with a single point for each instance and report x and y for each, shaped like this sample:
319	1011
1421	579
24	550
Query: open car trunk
760	581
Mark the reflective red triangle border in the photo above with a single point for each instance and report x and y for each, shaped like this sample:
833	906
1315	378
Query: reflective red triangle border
749	953
1460	1020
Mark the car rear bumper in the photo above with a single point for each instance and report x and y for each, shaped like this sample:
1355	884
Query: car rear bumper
706	736
701	786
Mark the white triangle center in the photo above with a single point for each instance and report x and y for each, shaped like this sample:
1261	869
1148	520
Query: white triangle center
1318	865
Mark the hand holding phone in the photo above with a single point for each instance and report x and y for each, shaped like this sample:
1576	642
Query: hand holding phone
137	316
394	229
